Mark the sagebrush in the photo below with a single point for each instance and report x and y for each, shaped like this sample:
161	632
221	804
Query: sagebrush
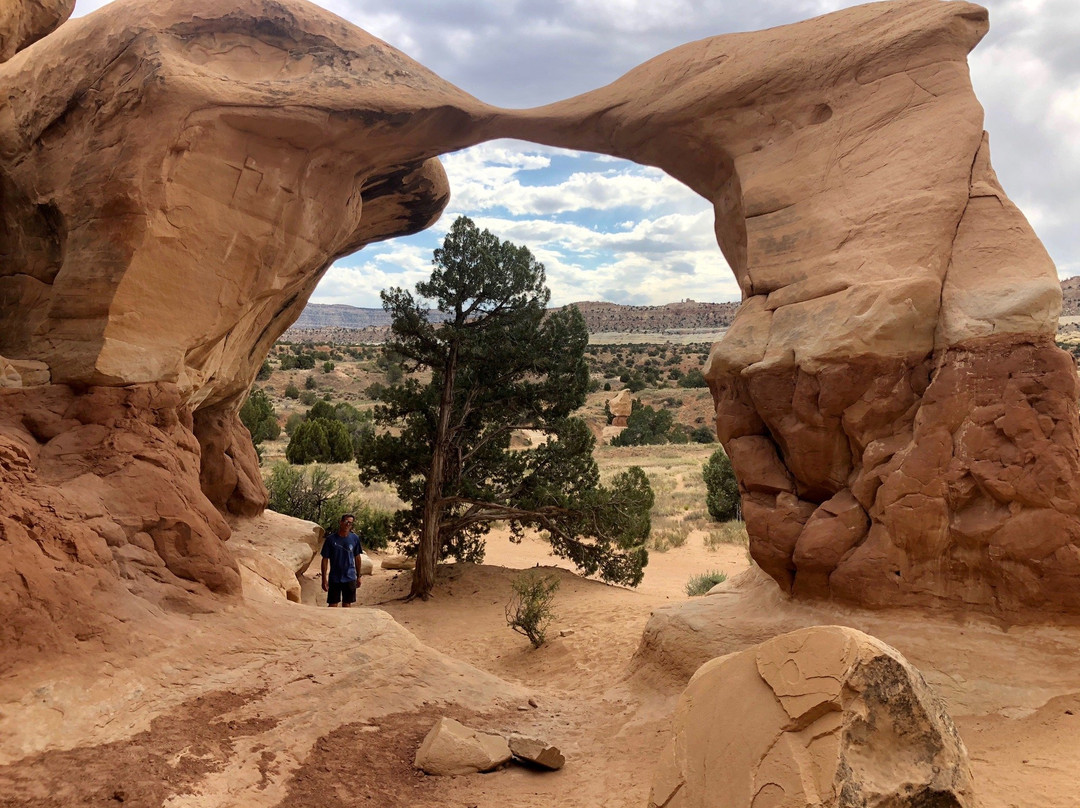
701	584
529	611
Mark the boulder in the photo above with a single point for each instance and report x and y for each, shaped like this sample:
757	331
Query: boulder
398	562
452	748
367	566
824	716
537	752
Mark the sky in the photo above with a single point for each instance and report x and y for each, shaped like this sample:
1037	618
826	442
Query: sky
608	229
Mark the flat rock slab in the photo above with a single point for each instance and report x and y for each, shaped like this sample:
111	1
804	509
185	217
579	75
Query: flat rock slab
453	748
537	752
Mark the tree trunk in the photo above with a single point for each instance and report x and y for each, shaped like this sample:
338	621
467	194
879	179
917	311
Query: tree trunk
427	552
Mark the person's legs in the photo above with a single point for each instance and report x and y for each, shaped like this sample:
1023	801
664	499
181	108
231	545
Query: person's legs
333	594
348	594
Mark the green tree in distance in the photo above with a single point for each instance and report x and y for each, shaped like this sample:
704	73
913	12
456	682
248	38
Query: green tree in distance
498	365
722	489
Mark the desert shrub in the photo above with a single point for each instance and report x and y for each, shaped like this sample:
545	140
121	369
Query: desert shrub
701	584
693	378
732	532
703	434
666	538
722	497
264	371
288	362
607	387
309	493
308	397
292	391
310	383
328	366
305	362
312	493
529	610
292	422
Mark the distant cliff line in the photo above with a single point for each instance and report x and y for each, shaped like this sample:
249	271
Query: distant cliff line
341	323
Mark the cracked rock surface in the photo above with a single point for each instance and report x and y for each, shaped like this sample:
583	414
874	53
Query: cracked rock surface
827	717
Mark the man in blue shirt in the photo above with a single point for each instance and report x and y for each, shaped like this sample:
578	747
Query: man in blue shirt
341	564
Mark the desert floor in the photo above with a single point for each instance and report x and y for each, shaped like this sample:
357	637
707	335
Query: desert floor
266	704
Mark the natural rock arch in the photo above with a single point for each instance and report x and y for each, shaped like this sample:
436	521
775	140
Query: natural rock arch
175	178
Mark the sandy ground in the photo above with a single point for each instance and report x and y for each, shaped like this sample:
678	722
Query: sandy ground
277	704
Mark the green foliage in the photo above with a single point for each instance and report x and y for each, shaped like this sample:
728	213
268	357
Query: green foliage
312	493
308	444
529	611
257	414
646	427
310	383
328	366
264	371
722	498
292	391
703	434
499	363
308	397
693	378
309	493
701	584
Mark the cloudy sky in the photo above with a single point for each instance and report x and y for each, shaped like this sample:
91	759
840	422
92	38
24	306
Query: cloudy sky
610	230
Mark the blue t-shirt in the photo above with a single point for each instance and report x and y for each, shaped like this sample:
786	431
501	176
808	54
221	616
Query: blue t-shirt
342	552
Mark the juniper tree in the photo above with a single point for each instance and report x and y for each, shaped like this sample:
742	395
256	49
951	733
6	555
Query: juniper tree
499	364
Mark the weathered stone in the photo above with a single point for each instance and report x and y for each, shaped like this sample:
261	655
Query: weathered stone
452	748
537	752
620	407
823	716
24	22
397	562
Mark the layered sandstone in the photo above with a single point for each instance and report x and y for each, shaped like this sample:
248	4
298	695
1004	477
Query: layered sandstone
175	177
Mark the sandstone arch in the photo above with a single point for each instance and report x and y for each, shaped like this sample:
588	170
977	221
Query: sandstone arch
175	178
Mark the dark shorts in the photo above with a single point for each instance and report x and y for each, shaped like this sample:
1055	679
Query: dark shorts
341	593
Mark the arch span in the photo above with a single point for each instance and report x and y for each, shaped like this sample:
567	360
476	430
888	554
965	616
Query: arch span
175	178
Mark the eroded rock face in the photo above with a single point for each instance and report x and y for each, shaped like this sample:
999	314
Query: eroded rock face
824	716
175	177
24	22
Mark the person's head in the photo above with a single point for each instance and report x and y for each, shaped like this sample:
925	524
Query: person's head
347	521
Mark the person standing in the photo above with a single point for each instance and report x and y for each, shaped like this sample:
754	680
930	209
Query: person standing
341	564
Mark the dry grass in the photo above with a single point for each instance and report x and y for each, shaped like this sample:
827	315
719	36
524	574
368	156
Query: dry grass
727	533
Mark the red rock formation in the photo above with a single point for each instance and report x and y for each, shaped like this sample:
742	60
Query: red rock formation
176	177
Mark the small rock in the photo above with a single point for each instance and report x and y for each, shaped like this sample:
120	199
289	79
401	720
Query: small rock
532	702
536	752
452	748
566	632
